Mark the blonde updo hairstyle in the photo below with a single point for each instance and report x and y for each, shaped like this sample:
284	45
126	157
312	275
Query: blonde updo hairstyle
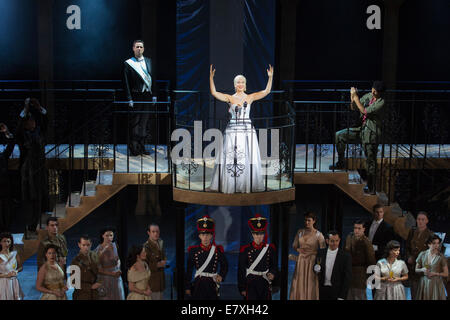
239	77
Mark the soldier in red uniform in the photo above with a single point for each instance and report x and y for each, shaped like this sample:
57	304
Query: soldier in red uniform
257	263
209	261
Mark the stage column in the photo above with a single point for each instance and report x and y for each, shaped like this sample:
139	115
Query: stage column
286	209
122	211
287	18
45	58
334	211
390	41
148	28
179	210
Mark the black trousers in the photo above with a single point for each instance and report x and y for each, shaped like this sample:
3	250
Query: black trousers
258	288
138	122
327	293
204	288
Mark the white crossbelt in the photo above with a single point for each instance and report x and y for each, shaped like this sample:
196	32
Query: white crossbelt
251	270
205	274
206	263
260	273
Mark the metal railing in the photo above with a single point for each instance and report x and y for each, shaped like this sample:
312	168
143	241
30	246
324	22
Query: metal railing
414	134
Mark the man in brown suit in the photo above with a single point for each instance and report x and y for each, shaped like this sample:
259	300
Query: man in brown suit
363	255
87	261
156	260
52	237
415	244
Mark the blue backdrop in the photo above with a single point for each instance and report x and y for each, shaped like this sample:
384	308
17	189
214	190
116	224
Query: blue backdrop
193	59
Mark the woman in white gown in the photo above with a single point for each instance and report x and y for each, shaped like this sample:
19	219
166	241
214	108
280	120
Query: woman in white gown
9	268
238	167
393	272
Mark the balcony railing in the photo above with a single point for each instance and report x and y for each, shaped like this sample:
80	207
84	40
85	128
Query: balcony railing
196	172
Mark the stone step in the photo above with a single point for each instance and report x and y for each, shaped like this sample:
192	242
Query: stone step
104	177
75	199
88	188
354	177
60	210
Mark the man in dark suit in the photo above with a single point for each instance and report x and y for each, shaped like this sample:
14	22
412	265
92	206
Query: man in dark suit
379	232
138	85
31	137
334	268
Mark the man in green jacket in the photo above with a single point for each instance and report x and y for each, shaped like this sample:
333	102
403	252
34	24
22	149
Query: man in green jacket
53	237
371	109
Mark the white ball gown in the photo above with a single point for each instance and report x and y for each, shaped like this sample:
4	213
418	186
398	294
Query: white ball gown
238	167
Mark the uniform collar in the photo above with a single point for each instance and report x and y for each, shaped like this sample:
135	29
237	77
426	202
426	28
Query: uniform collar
260	246
206	248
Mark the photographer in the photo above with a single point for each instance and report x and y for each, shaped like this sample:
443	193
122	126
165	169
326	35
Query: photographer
31	138
371	109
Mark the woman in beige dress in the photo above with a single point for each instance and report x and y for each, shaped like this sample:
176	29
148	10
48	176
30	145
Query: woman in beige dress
109	267
50	280
305	285
138	275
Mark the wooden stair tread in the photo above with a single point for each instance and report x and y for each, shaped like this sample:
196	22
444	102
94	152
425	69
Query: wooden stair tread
82	205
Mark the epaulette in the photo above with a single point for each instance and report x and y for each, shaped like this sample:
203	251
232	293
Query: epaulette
244	247
220	248
192	247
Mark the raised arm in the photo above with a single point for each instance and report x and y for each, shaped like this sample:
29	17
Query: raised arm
261	94
218	95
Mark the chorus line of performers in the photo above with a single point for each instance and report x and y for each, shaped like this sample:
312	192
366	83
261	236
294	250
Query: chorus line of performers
95	274
322	273
324	270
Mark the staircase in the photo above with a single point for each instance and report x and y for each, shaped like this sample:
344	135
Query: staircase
352	184
97	193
